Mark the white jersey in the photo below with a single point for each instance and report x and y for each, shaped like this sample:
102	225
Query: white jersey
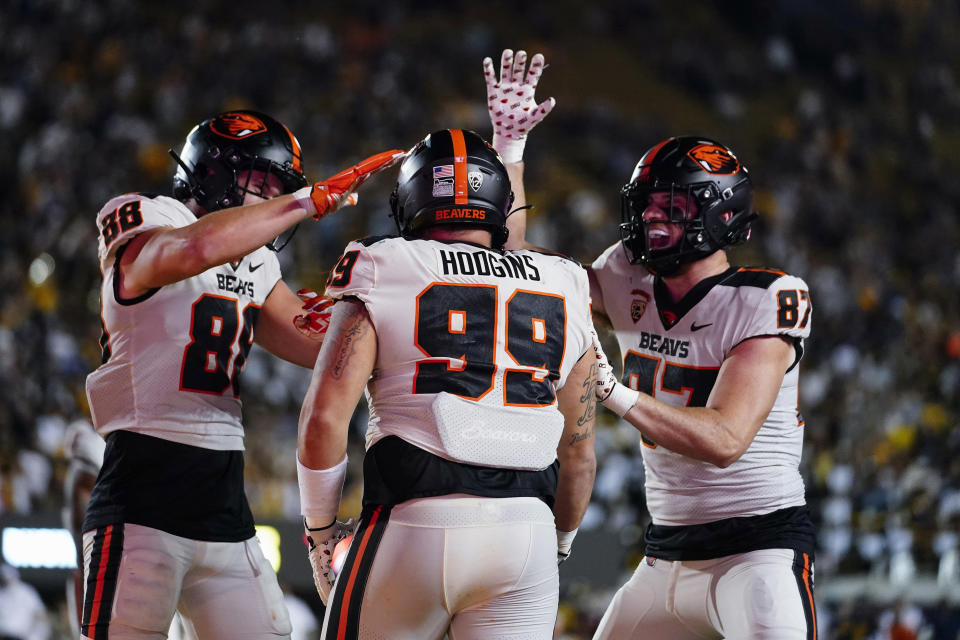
172	357
473	344
673	351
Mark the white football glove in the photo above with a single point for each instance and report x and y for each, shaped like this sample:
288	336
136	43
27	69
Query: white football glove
610	393
513	107
320	544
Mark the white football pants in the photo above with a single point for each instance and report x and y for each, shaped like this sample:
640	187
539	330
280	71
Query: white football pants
760	595
469	566
136	577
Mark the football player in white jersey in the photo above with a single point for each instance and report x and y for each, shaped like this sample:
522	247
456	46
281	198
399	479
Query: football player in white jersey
478	368
711	359
188	286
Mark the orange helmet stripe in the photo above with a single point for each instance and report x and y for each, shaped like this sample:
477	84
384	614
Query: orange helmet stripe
647	160
459	166
296	149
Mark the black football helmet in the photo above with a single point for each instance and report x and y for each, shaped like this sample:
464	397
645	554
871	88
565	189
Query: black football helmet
709	174
452	177
219	149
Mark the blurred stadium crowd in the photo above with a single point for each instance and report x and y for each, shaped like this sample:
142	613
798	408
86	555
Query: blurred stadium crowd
847	113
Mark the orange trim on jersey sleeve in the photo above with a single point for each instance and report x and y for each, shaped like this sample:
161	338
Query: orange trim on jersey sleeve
759	270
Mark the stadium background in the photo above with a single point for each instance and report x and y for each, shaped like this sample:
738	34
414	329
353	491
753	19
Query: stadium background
846	112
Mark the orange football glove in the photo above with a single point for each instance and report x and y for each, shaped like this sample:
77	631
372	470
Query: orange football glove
337	191
316	320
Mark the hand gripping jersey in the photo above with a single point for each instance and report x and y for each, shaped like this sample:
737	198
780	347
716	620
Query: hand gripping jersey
673	351
473	344
172	357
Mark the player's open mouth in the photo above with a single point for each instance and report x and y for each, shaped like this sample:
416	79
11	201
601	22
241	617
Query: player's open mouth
658	238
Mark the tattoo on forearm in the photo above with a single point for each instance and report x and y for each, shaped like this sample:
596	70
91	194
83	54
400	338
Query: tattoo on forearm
588	384
589	402
355	329
588	415
581	435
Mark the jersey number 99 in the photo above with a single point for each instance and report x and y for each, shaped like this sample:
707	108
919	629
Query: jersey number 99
459	322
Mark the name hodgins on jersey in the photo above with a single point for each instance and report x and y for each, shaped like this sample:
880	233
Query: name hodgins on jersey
660	344
483	263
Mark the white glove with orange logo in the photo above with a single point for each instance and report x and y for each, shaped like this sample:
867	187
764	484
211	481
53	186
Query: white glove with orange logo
513	107
610	393
321	542
326	196
319	502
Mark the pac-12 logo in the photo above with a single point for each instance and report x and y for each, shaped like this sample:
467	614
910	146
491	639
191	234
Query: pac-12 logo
639	305
714	159
237	125
475	180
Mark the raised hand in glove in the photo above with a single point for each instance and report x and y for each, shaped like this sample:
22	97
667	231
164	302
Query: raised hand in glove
610	393
337	191
510	99
321	541
316	320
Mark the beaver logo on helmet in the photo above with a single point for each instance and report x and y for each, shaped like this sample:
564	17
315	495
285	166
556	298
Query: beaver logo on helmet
706	174
714	159
222	148
236	125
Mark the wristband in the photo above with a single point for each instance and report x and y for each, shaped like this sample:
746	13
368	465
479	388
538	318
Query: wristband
621	399
510	149
303	198
320	489
565	541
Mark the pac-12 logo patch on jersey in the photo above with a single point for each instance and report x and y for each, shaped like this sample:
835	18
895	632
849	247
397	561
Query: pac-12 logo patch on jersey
639	305
714	159
237	125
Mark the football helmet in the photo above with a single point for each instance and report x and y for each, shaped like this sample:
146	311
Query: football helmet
452	177
219	149
712	177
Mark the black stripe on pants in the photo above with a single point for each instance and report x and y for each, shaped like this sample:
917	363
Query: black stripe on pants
101	581
803	571
347	598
